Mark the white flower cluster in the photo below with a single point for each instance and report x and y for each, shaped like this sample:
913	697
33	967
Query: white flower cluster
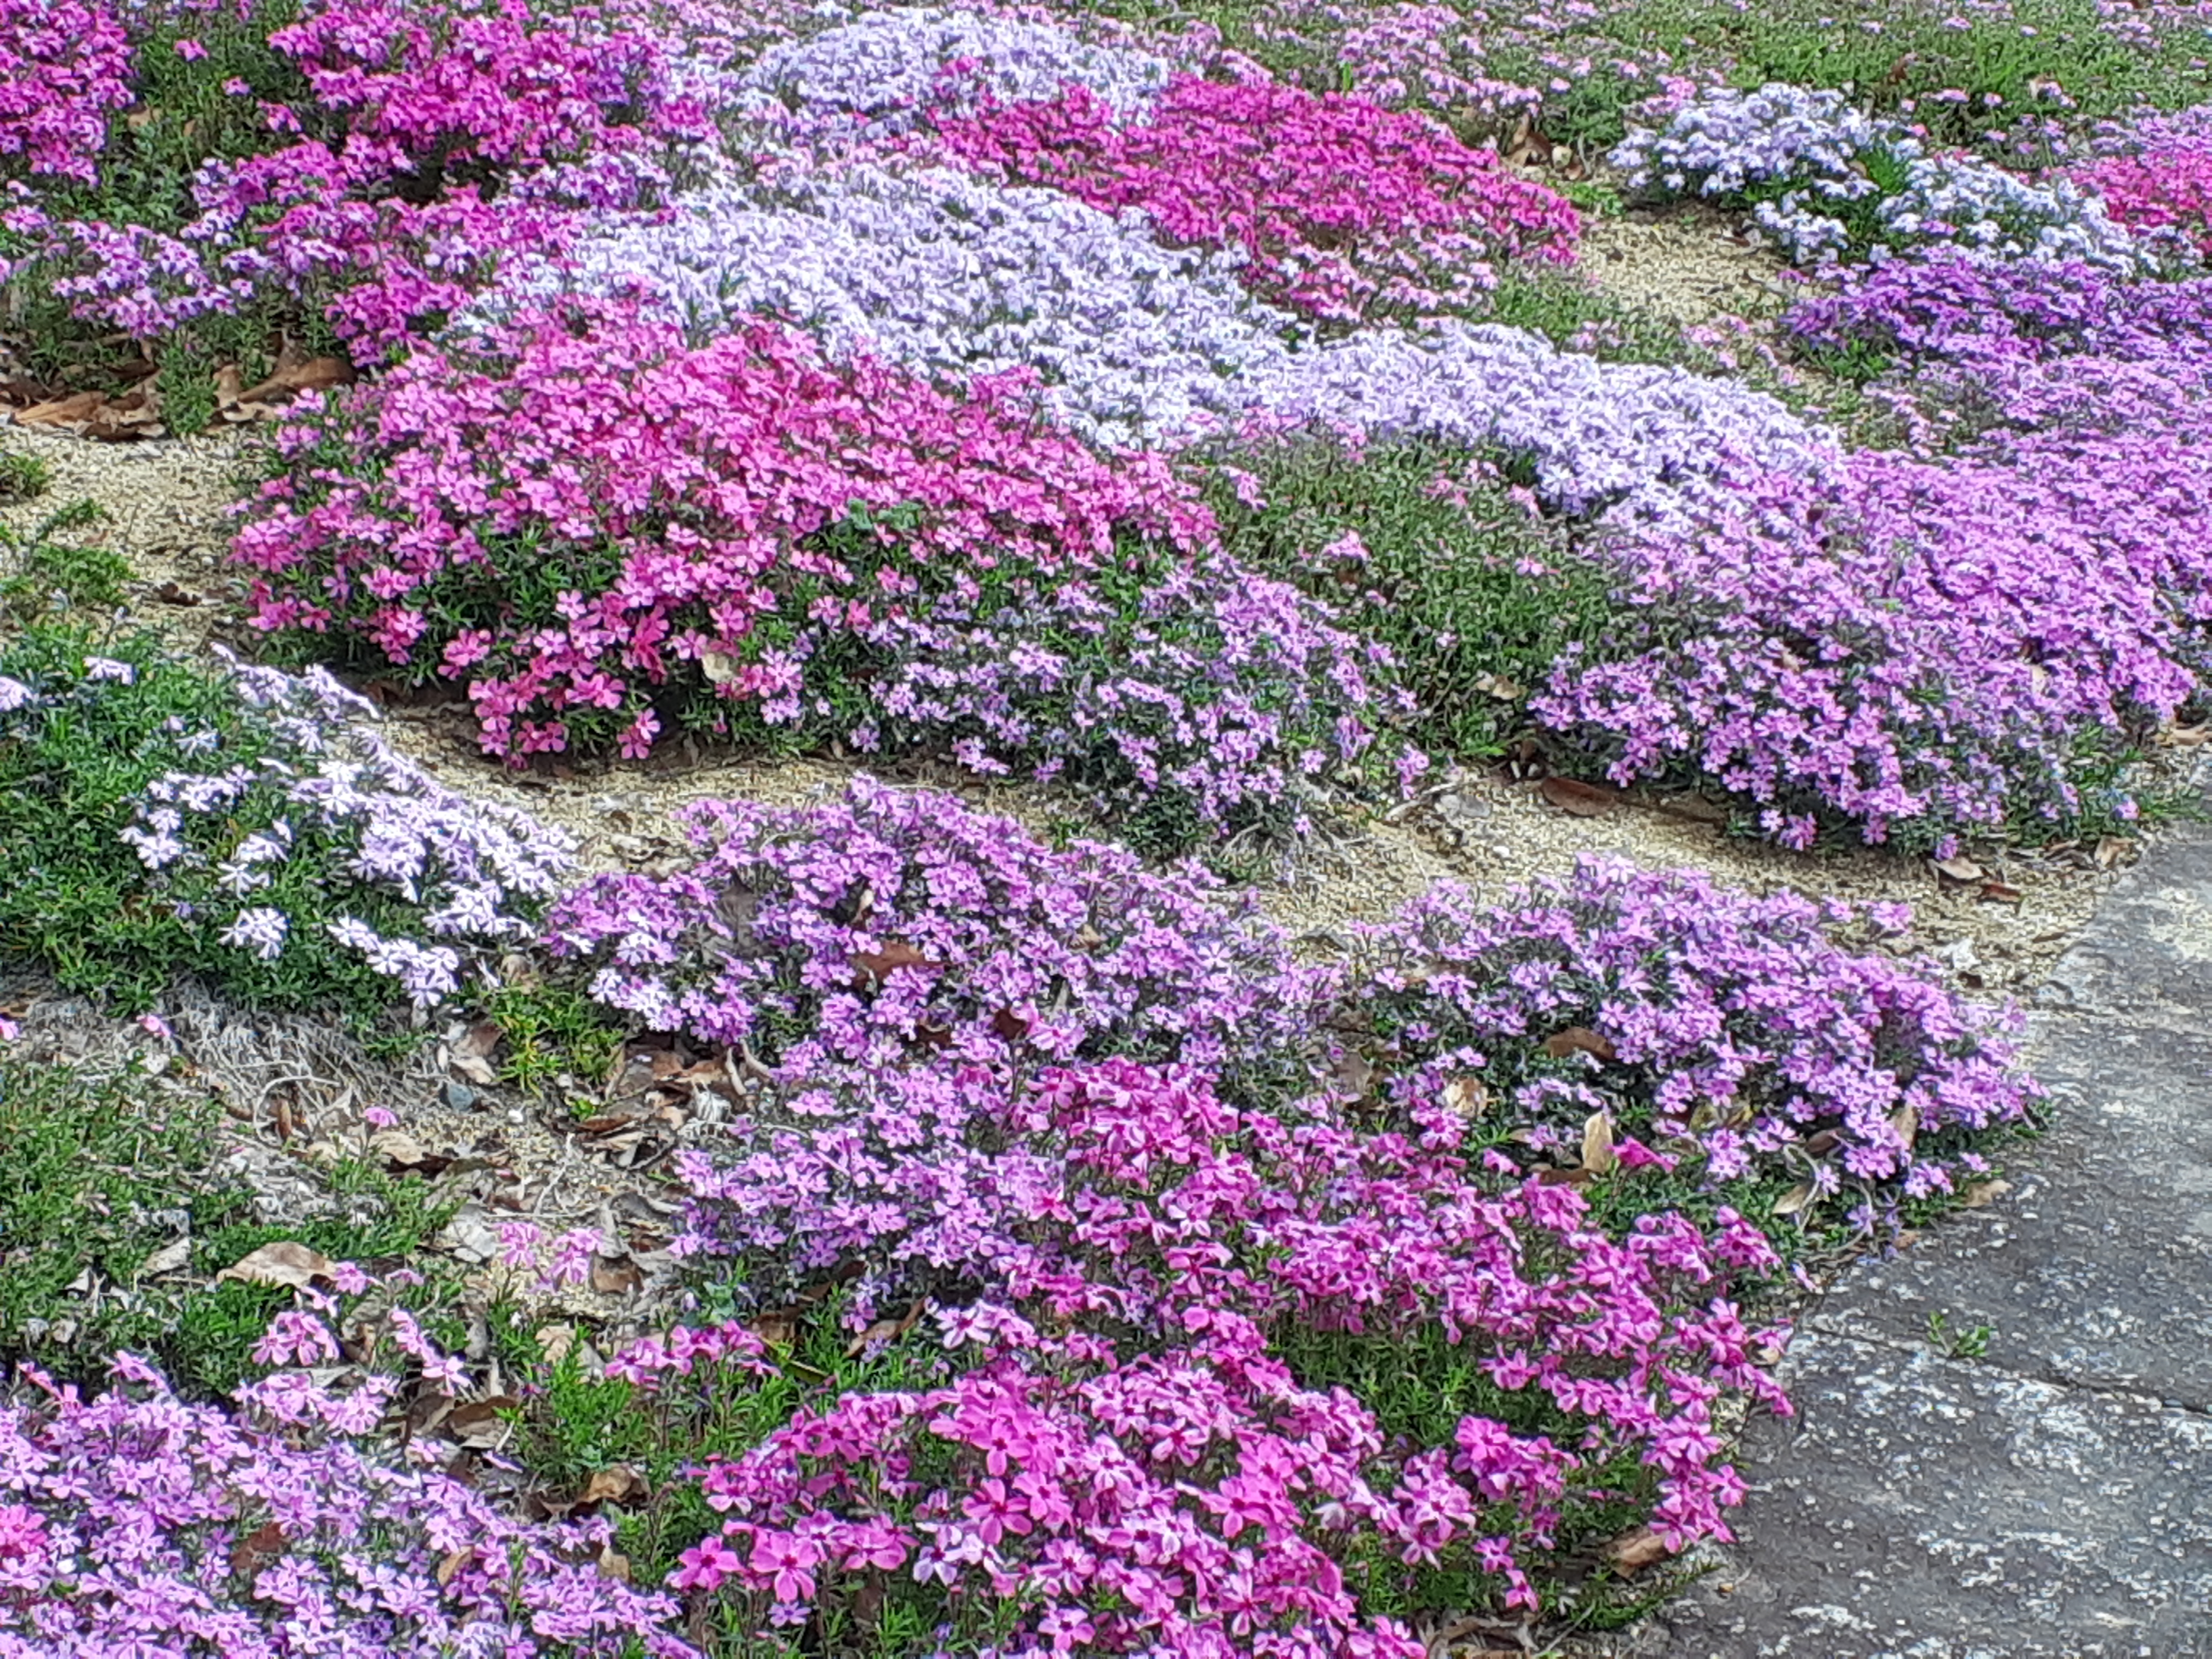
373	816
874	76
1829	154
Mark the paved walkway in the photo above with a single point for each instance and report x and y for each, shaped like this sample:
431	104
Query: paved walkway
2051	1499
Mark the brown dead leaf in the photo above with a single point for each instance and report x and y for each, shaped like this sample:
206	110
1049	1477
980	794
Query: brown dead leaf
1496	686
400	1150
172	594
315	375
1635	1550
613	1565
1465	1097
880	965
2111	849
62	411
615	1275
284	1262
1565	1177
886	1330
478	1042
1598	1156
449	1569
1580	1039
778	1327
2001	892
1010	1025
1797	1198
1826	1142
618	1483
1582	800
1981	1194
1960	870
176	1254
479	1425
258	1549
1905	1120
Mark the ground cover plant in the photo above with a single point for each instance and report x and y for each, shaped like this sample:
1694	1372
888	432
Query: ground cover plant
243	828
1202	420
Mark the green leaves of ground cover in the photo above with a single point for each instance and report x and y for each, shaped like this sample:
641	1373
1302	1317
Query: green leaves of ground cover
1428	551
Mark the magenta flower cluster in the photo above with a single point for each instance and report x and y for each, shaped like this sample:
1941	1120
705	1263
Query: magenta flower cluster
602	529
1131	1458
1340	209
2166	189
64	69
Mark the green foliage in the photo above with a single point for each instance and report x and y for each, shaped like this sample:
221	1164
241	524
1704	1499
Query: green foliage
23	478
577	1422
103	1171
44	573
553	1034
75	897
1474	595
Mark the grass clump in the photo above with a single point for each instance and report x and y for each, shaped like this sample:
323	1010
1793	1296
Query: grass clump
50	573
106	1175
1430	552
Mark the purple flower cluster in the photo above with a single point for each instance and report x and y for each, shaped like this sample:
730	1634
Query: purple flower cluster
1929	645
896	928
1728	1028
898	921
135	1523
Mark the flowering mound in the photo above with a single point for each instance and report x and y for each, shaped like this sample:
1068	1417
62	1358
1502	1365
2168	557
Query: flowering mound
396	152
897	928
1154	1470
1929	646
1968	312
607	529
895	922
1341	209
885	72
1824	179
135	1522
247	828
1726	1028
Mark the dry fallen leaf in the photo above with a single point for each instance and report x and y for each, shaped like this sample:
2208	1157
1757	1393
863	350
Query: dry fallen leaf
284	1262
450	1568
258	1549
1598	1156
617	1483
1465	1097
480	1425
613	1566
1905	1120
880	965
1795	1199
166	1259
1965	870
1635	1550
1981	1193
616	1276
62	411
885	1330
1580	1039
1582	800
